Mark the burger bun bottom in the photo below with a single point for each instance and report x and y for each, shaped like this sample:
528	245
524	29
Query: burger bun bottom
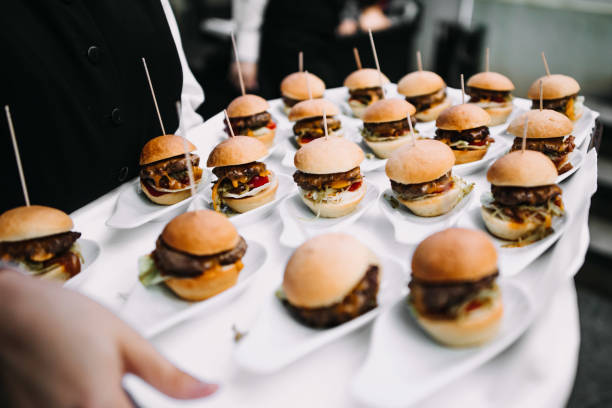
336	209
210	283
267	138
508	230
436	205
468	156
242	205
432	113
499	115
385	149
168	198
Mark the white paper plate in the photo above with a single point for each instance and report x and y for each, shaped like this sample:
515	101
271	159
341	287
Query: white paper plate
584	126
277	339
576	158
497	149
154	309
285	187
134	209
412	229
404	365
299	223
513	260
90	250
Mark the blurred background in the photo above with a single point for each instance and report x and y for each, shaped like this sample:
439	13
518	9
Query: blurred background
452	36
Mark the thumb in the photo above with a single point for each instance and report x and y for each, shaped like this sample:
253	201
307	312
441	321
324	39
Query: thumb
140	358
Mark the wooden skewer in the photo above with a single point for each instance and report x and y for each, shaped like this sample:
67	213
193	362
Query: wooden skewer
487	60
325	123
301	61
161	123
541	95
229	124
24	187
308	85
412	136
357	59
545	64
524	145
419	60
238	64
462	90
380	79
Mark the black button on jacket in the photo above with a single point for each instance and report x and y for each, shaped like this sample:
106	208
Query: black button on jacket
72	74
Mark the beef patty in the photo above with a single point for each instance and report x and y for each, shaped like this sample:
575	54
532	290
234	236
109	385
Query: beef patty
367	95
414	191
39	249
513	196
307	181
241	124
424	102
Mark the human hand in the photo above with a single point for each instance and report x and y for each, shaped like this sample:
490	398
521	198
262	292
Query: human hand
249	75
60	349
373	18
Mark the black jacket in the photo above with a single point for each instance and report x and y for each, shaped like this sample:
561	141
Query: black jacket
72	75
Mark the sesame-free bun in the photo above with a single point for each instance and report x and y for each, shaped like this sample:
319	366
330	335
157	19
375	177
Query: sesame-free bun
365	78
212	282
242	205
295	87
543	124
454	255
435	205
432	113
163	147
462	117
509	230
324	269
499	114
553	87
326	155
247	105
477	327
312	108
468	156
34	221
523	169
236	150
388	110
167	198
336	209
201	232
490	81
420	83
426	161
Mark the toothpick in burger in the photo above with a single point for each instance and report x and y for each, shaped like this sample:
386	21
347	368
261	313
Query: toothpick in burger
492	91
559	93
40	240
328	176
453	291
426	91
294	88
524	198
365	88
465	129
243	182
548	132
249	116
385	126
308	118
198	255
422	180
329	280
164	175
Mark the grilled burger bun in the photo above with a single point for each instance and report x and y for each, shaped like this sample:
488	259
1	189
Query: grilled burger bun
326	157
428	160
34	235
461	258
294	88
418	84
383	111
247	106
518	169
493	82
202	233
159	149
330	279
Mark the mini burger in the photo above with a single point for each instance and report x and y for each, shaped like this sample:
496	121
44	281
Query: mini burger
328	176
453	293
426	91
421	178
548	132
524	197
464	129
40	240
243	183
294	88
385	126
164	176
493	93
365	88
559	93
308	118
249	116
329	280
198	255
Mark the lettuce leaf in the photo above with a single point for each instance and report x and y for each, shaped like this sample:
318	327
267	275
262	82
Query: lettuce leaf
148	274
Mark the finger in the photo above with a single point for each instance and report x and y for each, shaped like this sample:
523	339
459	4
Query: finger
122	400
141	358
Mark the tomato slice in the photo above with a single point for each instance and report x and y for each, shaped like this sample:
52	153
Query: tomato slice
354	186
258	181
473	305
479	142
271	125
306	139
